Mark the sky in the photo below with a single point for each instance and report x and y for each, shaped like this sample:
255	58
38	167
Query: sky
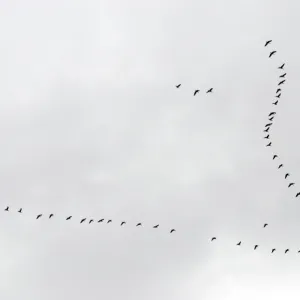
91	125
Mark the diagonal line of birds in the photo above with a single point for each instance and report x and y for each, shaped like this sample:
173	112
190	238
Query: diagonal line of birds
85	220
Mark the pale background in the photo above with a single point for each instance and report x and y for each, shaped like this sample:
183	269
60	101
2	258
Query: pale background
92	125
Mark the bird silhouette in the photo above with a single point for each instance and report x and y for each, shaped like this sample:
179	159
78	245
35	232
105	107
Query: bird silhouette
286	175
280	166
239	243
291	184
268	125
172	230
209	91
265	225
69	218
267	43
272	113
281	67
138	224
267	129
82	220
38	216
298	251
298	194
269	145
214	238
196	91
123	223
101	220
20	210
50	216
267	137
275	103
255	247
156	226
178	85
91	220
273	250
286	251
109	221
281	82
271	119
278	96
278	90
272	53
275	156
282	76
7	208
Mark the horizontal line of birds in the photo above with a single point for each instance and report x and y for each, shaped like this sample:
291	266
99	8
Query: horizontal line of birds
273	113
196	91
85	219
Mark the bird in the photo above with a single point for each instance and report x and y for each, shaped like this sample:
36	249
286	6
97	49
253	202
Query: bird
267	43
269	145
271	119
273	250
286	251
281	82
82	220
298	194
172	230
196	91
275	103
281	67
275	156
38	216
269	124
123	223
178	86
265	225
278	90
282	76
298	251
7	208
272	113
286	175
266	130
280	166
138	224
239	243
255	247
278	96
91	220
292	183
20	210
156	226
209	91
214	238
109	221
69	218
266	137
272	53
50	216
101	220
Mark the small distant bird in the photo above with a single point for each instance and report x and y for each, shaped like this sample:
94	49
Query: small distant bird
172	230
82	220
109	221
273	250
291	184
298	194
268	125
255	247
278	96
267	137
281	67
214	238
269	145
69	218
50	216
280	166
38	216
286	175
282	76
239	243
20	210
286	250
138	224
178	85
275	156
266	130
196	91
298	251
271	119
91	220
275	103
101	220
123	223
7	208
209	91
267	43
278	90
156	226
265	225
272	53
281	82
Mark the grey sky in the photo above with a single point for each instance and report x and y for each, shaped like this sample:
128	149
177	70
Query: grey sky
92	125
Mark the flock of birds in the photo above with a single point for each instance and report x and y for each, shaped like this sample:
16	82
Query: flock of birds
196	91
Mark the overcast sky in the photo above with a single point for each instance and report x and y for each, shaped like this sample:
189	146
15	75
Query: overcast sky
91	125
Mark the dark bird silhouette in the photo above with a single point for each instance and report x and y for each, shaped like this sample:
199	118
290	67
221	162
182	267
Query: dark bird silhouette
138	224
109	221
267	137
268	42
196	91
38	216
268	125
278	96
91	220
20	210
275	103
286	175
265	225
282	76
298	251
272	113
156	226
281	82
280	166
178	85
278	90
101	220
266	130
275	156
255	247
291	184
214	238
281	67
50	216
239	243
273	250
7	208
272	53
123	223
286	251
298	194
82	220
271	119
69	218
210	90
172	230
269	145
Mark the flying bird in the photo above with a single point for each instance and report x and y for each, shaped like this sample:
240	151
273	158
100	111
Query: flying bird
156	226
286	175
109	221
298	251
272	53
281	67
20	210
267	43
172	230
38	216
298	194
82	220
278	90
275	156
269	145
214	238
91	220
69	218
267	137
282	76
272	113
275	103
271	119
50	216
292	183
123	223
138	224
278	96
280	166
266	130
286	250
239	243
255	247
196	91
101	220
178	85
273	250
7	208
269	124
281	82
209	91
265	225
